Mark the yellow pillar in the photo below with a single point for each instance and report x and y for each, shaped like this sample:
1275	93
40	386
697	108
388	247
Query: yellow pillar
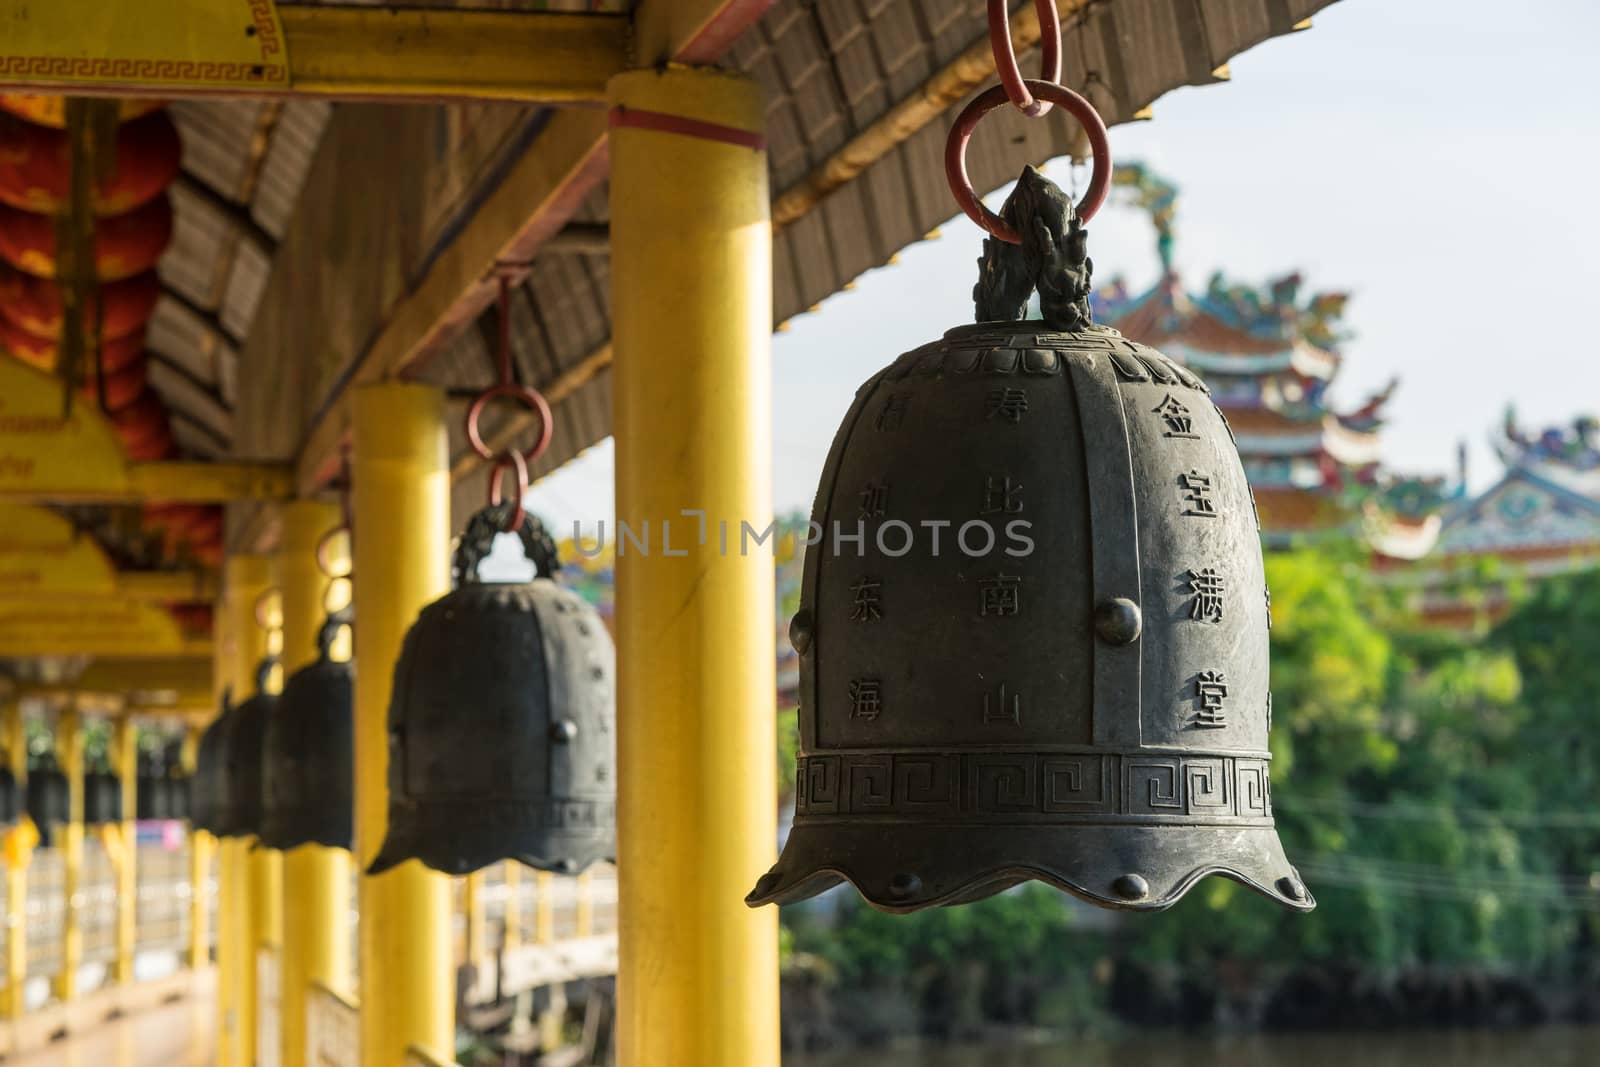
125	761
472	904
401	482
69	753
692	320
512	937
20	840
255	918
316	880
230	886
544	913
202	846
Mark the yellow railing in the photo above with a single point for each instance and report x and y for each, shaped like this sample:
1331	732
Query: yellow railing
333	1028
538	929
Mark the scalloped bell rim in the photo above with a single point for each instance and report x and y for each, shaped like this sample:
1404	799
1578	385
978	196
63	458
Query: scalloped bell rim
862	857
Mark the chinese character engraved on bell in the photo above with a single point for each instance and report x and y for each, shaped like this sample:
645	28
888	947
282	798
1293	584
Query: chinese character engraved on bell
874	500
1001	496
866	698
1206	587
1009	403
1001	711
1176	417
1210	690
1197	494
893	412
1000	595
868	602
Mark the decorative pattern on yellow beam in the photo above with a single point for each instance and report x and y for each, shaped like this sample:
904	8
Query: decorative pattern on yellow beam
171	48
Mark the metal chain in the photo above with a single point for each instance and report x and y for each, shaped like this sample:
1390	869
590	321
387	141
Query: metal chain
506	386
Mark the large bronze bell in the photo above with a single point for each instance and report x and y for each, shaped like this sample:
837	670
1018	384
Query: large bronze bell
502	740
205	792
308	754
1068	684
238	796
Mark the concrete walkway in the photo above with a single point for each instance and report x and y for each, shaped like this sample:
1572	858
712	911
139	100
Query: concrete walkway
180	1034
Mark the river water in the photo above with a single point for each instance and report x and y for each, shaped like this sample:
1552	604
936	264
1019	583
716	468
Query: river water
1542	1047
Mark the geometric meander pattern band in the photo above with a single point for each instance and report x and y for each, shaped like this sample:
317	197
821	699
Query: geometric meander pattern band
1036	787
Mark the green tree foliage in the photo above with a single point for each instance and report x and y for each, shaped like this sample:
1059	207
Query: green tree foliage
1404	787
1436	790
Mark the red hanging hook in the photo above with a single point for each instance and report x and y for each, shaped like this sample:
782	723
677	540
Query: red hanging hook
1005	56
507	386
955	154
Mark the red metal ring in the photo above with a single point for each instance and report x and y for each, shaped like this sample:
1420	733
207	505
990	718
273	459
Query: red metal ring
955	154
1005	57
530	398
514	461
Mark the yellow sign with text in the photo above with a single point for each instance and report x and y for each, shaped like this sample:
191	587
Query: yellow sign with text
41	555
179	43
38	447
90	628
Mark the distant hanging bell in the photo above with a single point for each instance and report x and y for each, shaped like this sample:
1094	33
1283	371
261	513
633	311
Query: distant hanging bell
12	807
163	788
152	797
205	790
238	787
1048	659
502	741
49	798
308	754
178	792
102	798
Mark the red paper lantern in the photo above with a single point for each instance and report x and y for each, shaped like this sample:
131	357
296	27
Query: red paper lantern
34	304
36	165
115	353
142	427
124	244
123	386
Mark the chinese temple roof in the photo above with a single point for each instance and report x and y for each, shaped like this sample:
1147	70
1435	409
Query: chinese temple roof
1270	354
1546	501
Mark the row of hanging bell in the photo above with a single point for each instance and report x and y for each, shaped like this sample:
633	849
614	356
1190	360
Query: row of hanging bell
102	798
49	797
1084	701
502	738
227	782
162	790
308	753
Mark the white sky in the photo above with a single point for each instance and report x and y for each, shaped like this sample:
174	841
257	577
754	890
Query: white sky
1436	158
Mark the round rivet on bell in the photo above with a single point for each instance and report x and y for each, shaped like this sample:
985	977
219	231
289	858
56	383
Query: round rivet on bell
800	632
1118	621
1290	887
904	885
1131	887
563	730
